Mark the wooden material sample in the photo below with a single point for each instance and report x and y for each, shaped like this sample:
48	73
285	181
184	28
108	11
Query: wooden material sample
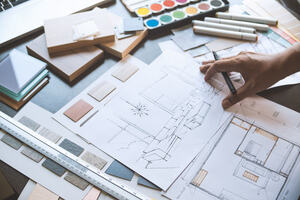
60	31
68	65
93	194
124	72
18	104
41	193
100	91
78	110
6	190
76	181
120	47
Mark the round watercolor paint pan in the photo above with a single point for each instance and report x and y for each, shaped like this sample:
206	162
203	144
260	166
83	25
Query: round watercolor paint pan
152	23
143	12
204	6
178	15
166	19
182	2
156	7
216	3
191	10
169	4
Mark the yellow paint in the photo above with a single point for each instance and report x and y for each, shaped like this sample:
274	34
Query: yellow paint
143	11
191	10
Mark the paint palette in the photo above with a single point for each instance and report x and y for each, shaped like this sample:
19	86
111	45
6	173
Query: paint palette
162	13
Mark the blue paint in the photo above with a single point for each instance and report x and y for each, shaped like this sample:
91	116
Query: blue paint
152	23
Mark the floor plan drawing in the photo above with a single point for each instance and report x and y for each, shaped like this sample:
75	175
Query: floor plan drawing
257	164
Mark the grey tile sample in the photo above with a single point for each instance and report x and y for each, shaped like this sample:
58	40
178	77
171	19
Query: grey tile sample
145	182
198	51
32	154
54	167
186	39
29	123
71	147
76	181
119	170
11	141
50	135
94	160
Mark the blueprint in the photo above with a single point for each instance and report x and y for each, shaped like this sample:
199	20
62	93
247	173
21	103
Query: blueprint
156	124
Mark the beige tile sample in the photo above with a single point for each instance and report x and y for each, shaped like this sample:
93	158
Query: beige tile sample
125	71
93	194
41	193
78	110
100	91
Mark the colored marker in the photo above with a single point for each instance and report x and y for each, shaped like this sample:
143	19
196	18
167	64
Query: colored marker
247	18
224	26
225	33
260	27
226	77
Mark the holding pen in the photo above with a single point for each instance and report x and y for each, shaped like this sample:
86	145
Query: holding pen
226	77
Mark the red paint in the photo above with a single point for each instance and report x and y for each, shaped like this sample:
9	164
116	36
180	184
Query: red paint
203	6
156	7
169	3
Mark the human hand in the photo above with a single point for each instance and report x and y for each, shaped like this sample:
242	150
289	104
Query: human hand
259	71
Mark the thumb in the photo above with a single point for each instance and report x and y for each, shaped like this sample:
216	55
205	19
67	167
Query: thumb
231	99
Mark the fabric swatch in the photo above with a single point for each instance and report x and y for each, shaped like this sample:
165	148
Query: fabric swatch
94	160
54	167
71	147
32	154
144	182
41	193
119	170
124	72
29	123
76	181
48	134
78	110
11	141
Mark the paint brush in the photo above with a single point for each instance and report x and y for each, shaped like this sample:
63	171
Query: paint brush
226	77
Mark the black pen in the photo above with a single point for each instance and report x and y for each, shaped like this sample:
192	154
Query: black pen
226	77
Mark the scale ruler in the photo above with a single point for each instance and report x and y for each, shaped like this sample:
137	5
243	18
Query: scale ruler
68	160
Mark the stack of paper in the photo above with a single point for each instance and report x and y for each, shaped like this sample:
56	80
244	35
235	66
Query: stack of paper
21	76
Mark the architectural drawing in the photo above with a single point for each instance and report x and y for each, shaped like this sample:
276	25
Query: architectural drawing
248	162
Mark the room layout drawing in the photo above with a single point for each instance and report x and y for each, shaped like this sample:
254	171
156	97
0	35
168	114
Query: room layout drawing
247	163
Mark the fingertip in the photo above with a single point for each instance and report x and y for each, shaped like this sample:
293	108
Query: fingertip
226	104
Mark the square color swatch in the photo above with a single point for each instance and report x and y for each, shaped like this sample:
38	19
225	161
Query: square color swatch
133	24
102	90
76	181
71	147
54	167
93	160
29	123
119	170
124	72
11	141
78	110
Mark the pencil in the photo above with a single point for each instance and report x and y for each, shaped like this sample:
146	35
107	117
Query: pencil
226	77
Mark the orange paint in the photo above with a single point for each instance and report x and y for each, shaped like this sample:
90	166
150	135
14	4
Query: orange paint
156	7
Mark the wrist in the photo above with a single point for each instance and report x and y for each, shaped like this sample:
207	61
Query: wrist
289	60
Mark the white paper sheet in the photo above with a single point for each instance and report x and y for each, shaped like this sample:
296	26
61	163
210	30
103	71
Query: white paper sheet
233	158
153	122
